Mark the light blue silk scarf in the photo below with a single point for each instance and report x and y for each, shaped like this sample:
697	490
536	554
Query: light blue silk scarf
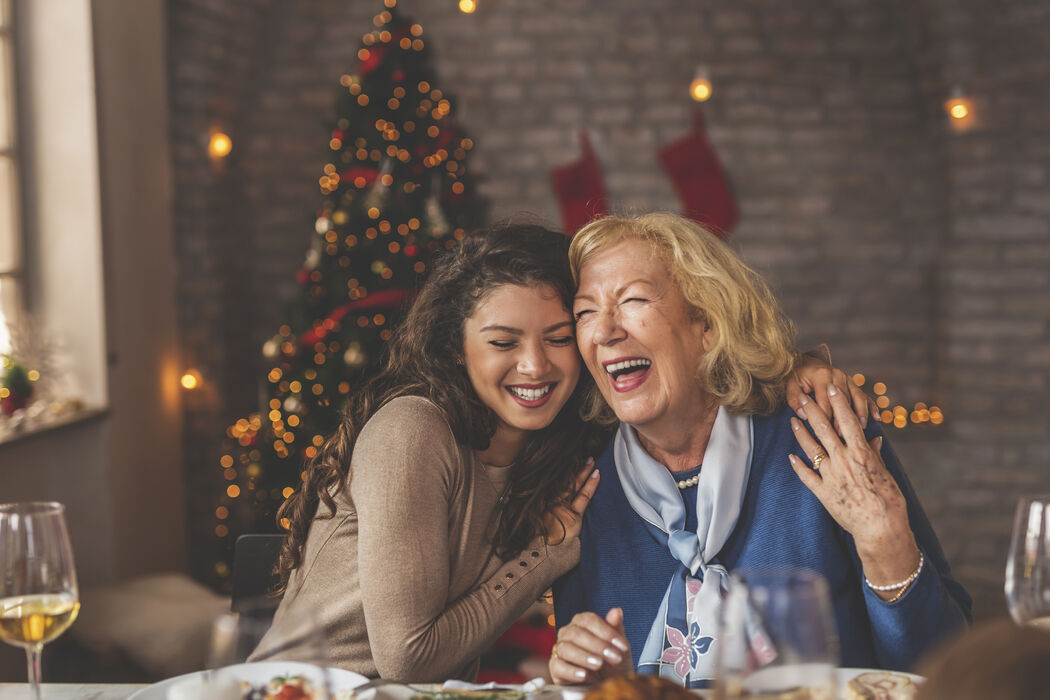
681	641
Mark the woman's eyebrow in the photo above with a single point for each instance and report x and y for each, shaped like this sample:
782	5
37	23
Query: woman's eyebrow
619	290
504	329
518	331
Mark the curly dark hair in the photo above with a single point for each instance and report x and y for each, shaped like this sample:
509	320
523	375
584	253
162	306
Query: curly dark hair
420	362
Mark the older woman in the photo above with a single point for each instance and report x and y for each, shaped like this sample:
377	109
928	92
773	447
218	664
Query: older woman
710	471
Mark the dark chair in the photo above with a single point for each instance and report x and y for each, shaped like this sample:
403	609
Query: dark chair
254	559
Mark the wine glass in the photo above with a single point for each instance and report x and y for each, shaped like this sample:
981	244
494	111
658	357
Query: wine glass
777	636
1028	565
237	638
38	583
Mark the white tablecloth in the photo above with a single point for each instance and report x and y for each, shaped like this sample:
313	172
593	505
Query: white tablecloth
69	691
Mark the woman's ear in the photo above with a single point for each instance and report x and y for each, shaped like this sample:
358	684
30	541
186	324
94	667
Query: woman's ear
709	334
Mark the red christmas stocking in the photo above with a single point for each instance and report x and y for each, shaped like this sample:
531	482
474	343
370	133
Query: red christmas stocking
693	167
580	189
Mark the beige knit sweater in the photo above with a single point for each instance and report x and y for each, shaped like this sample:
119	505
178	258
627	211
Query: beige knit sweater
402	579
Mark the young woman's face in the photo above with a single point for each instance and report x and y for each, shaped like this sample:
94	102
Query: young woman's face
520	354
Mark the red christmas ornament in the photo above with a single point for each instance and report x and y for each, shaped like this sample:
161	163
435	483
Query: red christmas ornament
369	174
13	402
388	298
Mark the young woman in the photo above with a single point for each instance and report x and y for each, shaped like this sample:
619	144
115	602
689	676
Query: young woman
450	498
448	501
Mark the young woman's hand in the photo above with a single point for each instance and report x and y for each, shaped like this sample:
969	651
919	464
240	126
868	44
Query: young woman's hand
814	376
591	649
564	521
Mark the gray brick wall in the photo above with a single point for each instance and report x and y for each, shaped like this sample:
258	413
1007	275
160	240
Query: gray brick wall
919	254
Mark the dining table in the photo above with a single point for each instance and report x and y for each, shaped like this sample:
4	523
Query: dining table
70	691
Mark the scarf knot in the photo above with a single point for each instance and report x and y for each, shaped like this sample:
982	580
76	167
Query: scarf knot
682	635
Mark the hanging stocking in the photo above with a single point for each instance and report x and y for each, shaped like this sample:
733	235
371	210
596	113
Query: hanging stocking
693	167
580	189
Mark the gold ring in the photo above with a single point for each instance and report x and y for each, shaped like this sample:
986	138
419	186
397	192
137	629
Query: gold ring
554	651
818	459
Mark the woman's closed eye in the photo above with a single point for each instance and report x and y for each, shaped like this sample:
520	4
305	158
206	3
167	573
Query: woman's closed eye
561	340
580	313
503	344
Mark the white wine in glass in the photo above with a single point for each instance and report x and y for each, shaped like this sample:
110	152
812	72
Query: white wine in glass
1028	565
38	582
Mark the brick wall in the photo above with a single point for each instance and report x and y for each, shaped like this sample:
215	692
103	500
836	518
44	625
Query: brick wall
919	254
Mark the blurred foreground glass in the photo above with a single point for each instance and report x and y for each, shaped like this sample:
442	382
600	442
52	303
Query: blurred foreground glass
777	637
236	635
1028	564
38	582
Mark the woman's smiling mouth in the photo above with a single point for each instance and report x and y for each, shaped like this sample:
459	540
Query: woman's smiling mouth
531	395
627	373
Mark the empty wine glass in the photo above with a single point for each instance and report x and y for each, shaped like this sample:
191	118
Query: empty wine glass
777	636
237	649
38	582
1028	565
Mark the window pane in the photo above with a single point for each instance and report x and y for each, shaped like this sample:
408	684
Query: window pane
9	251
9	305
7	95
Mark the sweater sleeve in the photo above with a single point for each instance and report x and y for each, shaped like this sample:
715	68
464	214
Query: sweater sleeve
933	609
406	471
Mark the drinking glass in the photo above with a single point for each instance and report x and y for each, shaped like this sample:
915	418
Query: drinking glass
38	583
237	635
777	636
1028	564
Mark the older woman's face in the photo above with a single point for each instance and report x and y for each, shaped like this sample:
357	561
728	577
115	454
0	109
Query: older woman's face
637	337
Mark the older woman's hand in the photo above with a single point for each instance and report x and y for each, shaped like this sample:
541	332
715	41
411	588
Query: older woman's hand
851	481
814	376
591	649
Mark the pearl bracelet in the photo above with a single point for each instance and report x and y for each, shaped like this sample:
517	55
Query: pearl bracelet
903	584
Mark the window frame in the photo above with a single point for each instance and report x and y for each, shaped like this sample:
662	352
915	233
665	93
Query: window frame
12	156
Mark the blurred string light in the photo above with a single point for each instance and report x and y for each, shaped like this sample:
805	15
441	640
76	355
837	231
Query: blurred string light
219	145
191	379
467	6
898	416
960	110
700	88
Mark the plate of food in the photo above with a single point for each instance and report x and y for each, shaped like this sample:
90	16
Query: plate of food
265	680
873	684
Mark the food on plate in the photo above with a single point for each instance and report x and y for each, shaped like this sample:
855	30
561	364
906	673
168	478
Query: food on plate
281	688
881	685
439	693
639	687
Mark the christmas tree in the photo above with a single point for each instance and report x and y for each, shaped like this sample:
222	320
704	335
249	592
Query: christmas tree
395	189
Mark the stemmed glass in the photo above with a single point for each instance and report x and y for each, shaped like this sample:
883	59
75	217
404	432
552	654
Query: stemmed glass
777	636
1028	565
237	637
38	582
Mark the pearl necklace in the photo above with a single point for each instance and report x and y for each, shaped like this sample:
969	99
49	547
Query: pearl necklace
686	483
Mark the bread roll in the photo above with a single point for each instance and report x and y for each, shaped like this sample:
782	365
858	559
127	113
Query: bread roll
881	686
639	687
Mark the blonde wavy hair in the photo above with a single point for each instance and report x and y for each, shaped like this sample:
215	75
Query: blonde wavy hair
753	352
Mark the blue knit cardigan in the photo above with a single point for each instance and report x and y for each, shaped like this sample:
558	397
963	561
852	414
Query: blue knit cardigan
624	561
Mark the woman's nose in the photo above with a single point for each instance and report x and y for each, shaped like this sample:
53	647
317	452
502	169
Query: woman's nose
533	361
607	328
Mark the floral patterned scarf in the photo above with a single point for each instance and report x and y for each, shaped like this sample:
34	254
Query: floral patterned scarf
681	641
